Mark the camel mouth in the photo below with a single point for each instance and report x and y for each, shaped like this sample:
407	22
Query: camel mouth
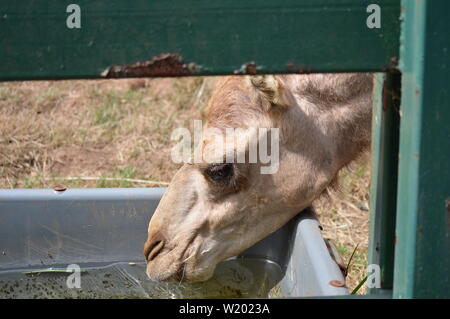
165	264
178	274
171	269
153	250
164	272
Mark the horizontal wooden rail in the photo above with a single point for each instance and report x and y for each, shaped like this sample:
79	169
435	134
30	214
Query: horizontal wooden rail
193	37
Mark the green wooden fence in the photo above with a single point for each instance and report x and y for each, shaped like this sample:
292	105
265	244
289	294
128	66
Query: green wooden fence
202	37
410	193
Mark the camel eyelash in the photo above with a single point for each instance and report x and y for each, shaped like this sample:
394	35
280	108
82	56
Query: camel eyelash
222	173
226	178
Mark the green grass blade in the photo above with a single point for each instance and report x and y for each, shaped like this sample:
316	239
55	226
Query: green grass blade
359	286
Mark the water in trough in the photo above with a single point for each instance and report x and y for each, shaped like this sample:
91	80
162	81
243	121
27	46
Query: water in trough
234	278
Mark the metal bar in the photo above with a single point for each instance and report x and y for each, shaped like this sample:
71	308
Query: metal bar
194	37
385	139
422	255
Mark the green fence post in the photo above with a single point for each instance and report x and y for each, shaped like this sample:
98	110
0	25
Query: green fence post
422	254
383	193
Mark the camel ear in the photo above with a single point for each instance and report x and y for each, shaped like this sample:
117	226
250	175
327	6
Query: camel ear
272	92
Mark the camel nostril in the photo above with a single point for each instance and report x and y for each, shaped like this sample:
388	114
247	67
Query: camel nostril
152	249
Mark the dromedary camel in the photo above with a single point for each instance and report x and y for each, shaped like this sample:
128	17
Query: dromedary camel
212	211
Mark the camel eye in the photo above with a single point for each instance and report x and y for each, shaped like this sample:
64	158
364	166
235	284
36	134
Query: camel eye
220	172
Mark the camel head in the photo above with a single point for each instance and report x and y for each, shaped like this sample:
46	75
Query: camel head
216	205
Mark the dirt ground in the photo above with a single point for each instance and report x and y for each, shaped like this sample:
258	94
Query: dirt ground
116	133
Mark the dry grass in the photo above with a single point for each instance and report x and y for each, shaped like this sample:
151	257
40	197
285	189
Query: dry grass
344	216
120	130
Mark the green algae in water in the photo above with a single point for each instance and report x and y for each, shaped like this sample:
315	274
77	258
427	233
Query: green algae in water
236	278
